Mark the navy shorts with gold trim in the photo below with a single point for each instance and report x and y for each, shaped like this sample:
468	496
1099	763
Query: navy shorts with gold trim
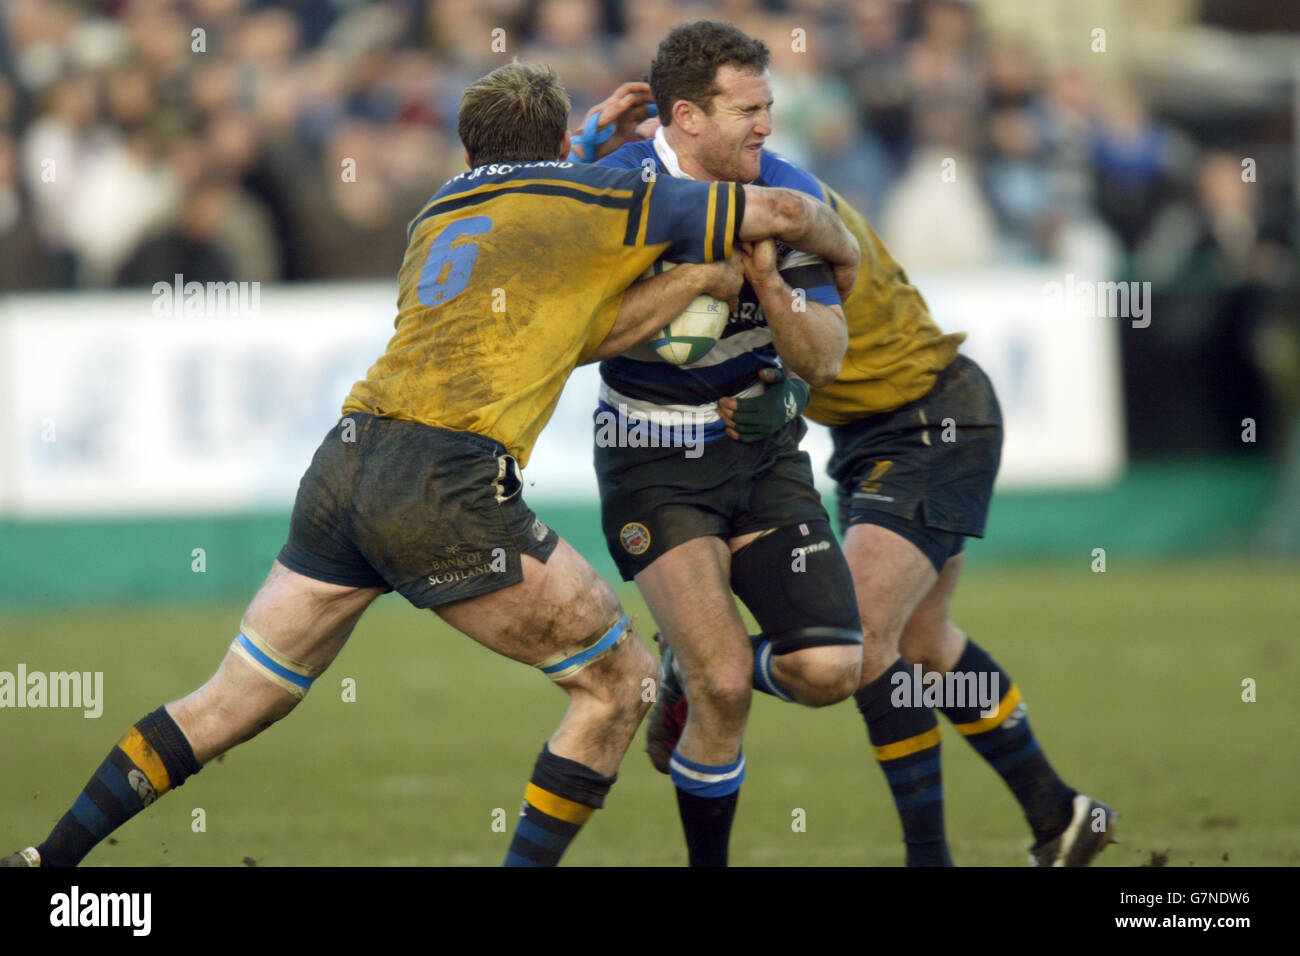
435	515
653	499
924	470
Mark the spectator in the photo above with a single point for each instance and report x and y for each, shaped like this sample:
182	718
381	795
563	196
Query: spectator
191	247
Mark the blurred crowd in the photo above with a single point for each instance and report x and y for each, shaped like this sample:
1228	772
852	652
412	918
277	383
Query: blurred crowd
294	139
282	140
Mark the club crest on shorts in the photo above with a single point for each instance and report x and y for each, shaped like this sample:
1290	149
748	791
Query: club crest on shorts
635	538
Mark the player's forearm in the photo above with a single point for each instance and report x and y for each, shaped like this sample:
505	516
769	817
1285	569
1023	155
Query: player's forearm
649	305
799	221
812	340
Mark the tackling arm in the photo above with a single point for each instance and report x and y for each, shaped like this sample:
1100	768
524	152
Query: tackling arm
804	224
650	304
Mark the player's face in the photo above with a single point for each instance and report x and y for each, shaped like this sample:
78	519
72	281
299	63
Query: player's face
731	139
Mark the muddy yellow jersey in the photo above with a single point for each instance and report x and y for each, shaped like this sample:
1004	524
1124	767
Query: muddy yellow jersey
895	348
514	274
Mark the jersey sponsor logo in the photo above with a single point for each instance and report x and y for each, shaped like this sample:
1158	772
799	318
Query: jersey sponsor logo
540	531
460	574
460	564
635	538
500	169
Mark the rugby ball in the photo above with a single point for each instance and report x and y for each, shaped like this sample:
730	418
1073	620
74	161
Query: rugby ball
689	337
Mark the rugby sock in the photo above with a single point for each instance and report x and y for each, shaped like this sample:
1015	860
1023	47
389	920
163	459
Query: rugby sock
764	679
706	800
561	796
150	759
906	743
1007	743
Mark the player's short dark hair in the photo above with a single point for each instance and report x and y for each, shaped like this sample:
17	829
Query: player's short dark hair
518	113
686	65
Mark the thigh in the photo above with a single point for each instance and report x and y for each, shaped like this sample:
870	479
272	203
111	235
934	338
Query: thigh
689	593
304	619
891	576
795	581
558	606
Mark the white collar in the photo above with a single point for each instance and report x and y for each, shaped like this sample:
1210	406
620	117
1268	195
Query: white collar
667	156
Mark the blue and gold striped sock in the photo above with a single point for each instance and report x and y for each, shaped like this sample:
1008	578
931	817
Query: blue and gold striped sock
150	759
906	743
1008	744
561	796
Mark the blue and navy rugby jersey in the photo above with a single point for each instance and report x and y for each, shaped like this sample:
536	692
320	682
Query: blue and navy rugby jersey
658	391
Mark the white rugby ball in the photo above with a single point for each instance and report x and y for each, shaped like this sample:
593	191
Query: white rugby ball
689	337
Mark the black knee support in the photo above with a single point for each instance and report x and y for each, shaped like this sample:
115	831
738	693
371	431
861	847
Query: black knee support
797	585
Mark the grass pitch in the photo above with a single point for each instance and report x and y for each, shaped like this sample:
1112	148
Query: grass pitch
1134	680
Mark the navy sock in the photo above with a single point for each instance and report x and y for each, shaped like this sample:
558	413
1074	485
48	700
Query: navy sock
906	743
1006	741
152	757
561	796
706	800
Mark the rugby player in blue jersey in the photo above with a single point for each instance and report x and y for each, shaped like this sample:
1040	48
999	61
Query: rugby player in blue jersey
691	529
909	493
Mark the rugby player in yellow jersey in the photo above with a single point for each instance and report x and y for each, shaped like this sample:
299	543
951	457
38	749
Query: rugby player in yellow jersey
917	437
514	273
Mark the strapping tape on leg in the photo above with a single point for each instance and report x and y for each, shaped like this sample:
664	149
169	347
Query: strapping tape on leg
566	663
294	677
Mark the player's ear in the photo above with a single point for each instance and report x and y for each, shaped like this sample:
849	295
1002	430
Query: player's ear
468	162
566	145
684	115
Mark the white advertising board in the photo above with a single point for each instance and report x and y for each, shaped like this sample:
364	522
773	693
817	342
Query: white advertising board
114	409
